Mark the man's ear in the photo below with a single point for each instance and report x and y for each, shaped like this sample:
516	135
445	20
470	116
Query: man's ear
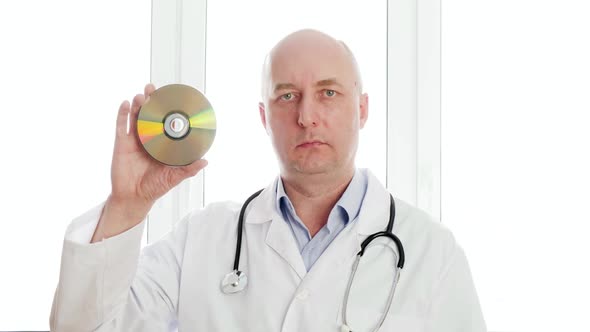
261	110
363	109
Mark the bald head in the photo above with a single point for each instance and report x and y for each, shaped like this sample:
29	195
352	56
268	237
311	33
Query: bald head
306	49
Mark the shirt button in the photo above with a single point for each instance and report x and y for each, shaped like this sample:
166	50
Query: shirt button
303	294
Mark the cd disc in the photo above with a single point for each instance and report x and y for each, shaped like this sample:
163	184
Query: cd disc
177	125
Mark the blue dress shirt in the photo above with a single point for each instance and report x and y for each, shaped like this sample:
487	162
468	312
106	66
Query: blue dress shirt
344	213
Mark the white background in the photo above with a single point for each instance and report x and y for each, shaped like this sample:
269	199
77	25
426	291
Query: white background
514	118
242	159
65	68
515	156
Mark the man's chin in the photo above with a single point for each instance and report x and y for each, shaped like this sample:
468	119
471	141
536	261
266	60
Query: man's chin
314	168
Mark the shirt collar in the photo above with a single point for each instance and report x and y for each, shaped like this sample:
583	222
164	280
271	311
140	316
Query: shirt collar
350	201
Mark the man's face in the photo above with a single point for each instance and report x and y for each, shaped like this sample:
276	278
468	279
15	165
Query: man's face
313	108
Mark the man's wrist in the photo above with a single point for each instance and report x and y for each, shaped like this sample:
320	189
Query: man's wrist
118	217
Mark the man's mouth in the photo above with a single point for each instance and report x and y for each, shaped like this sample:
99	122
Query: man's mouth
310	144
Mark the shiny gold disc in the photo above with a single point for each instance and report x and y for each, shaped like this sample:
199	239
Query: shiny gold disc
177	125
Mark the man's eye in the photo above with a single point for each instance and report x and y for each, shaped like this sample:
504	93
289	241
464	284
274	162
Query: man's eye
287	96
330	93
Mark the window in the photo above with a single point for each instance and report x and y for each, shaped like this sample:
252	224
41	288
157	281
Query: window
234	63
515	161
66	66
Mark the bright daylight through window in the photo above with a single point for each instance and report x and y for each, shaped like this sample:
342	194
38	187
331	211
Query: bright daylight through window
64	73
241	158
515	161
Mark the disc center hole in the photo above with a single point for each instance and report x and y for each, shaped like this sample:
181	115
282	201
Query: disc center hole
177	125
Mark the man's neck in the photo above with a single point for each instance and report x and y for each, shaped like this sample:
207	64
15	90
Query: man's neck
313	197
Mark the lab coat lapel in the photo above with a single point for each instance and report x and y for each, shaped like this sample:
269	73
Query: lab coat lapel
279	236
337	255
373	217
281	239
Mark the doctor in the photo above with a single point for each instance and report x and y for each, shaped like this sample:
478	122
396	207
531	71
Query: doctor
301	235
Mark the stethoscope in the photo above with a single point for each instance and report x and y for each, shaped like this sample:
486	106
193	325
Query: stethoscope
236	280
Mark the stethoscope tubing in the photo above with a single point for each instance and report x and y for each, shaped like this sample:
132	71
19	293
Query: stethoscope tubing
388	233
400	264
236	275
241	227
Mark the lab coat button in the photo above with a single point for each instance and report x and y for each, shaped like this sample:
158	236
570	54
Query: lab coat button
303	294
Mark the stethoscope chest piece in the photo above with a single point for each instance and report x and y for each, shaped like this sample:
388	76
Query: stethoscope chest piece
234	282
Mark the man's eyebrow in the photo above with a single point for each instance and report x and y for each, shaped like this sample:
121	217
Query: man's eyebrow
283	86
328	82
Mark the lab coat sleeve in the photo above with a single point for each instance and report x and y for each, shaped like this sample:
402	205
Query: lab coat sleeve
455	306
82	229
108	286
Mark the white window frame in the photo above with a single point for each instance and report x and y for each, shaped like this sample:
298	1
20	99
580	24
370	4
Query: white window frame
413	102
179	31
413	98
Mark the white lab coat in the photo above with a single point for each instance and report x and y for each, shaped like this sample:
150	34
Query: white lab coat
176	282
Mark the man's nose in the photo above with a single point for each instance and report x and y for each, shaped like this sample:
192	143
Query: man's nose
308	112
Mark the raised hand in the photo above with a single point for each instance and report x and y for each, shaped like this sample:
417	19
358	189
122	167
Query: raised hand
137	180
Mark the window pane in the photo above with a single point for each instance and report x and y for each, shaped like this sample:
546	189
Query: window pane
515	161
66	66
242	159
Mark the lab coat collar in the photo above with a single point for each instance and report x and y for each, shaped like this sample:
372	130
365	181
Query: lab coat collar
373	216
279	236
262	208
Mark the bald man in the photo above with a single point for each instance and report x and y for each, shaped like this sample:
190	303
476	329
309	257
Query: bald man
298	268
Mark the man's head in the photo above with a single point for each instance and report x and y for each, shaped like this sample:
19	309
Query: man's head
313	106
